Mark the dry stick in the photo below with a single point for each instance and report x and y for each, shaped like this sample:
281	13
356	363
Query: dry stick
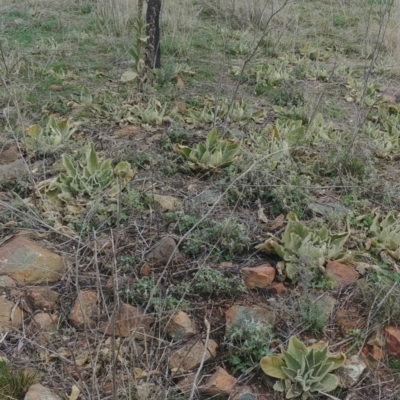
113	317
249	57
328	395
37	219
194	386
368	69
80	303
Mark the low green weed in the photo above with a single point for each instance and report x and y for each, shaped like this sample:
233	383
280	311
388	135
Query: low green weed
247	344
212	282
310	315
146	292
218	240
395	366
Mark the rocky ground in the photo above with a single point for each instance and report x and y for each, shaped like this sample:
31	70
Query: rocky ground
175	278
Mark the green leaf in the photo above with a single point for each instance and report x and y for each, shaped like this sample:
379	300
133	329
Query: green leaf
337	360
92	160
184	151
320	355
66	160
327	384
272	366
296	348
212	138
290	373
292	360
291	270
279	386
324	369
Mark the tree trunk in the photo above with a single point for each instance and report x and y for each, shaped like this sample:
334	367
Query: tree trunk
153	51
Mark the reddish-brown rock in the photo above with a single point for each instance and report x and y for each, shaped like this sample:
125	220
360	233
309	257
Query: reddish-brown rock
220	384
180	326
163	251
11	315
43	326
129	321
258	277
10	155
342	274
393	340
41	298
84	309
7	282
277	288
28	263
190	355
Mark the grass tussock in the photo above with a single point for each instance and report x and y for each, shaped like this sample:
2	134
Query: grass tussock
14	384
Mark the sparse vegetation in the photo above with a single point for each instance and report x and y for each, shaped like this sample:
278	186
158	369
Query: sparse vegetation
13	383
216	239
269	122
248	344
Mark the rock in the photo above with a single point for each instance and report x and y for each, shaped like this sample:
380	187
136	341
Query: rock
185	384
226	265
349	318
41	298
163	251
165	203
279	288
84	309
10	155
11	315
240	316
389	98
258	277
190	356
351	371
43	326
244	393
343	275
393	340
220	384
276	289
39	392
13	171
28	263
129	321
180	326
374	352
6	282
145	269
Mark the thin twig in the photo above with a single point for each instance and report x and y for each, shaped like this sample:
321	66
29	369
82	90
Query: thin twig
205	351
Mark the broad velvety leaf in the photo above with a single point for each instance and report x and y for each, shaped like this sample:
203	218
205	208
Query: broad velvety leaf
272	366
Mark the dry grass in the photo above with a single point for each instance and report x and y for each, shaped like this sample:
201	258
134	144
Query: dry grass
115	17
199	33
392	40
